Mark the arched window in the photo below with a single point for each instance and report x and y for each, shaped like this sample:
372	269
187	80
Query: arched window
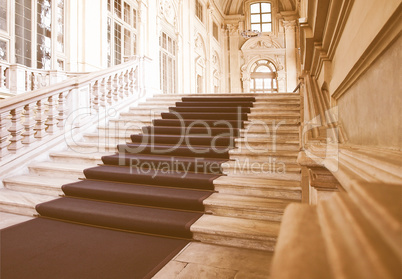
261	17
263	77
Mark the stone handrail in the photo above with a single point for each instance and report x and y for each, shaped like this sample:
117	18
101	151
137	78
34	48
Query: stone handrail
28	118
16	79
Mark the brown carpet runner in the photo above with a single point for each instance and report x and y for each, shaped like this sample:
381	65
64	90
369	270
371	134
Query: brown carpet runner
132	214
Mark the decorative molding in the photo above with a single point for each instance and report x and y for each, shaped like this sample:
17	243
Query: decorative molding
290	25
387	35
168	11
233	29
259	43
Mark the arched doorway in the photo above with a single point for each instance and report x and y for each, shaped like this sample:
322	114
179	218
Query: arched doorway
263	77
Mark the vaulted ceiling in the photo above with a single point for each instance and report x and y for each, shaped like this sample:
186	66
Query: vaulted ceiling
232	7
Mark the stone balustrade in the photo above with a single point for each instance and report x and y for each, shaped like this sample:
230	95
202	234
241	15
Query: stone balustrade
28	118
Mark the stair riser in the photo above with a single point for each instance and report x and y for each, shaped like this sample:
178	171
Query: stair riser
244	213
35	189
111	139
96	149
233	170
255	157
15	209
57	173
258	192
76	160
264	244
267	146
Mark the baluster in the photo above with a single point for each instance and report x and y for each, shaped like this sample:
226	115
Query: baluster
121	86
102	90
29	123
2	77
51	121
135	80
4	133
115	88
40	119
15	131
95	93
28	82
127	83
131	77
35	80
62	109
109	91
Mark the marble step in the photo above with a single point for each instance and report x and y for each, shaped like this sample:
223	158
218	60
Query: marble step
259	187
250	167
277	103
275	108
253	143
140	116
78	158
109	138
8	219
273	121
300	251
48	185
61	170
20	202
280	156
126	124
92	147
237	206
382	206
236	232
143	110
349	235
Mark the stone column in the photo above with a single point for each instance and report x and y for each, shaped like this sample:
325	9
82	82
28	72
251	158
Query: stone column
291	68
234	63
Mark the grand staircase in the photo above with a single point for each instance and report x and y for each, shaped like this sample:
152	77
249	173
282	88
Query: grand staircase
262	175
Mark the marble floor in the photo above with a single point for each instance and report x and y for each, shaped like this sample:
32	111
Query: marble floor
199	260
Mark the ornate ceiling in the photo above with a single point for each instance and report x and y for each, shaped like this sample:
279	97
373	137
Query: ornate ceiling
232	7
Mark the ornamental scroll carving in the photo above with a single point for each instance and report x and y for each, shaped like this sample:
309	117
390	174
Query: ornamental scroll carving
167	10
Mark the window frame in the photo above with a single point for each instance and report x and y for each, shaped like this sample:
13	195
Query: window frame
199	10
247	9
131	26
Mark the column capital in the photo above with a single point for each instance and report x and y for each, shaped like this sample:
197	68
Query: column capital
290	25
233	29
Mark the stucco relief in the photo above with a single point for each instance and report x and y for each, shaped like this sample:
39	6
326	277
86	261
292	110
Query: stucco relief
167	11
264	47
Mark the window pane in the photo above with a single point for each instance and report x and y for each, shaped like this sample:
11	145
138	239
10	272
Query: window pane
255	18
109	42
259	83
108	5
266	27
3	50
127	15
266	18
256	27
127	42
44	34
263	69
255	8
23	27
265	7
135	18
60	25
117	44
60	65
3	15
117	7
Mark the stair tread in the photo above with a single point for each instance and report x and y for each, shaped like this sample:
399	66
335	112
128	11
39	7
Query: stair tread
236	227
35	180
258	182
247	202
72	154
60	166
22	199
